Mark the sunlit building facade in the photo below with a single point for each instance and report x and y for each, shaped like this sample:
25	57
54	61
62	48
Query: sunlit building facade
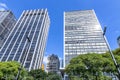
32	24
82	34
7	22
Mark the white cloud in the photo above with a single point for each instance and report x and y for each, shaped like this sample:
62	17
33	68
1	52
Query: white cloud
2	9
3	6
60	58
45	60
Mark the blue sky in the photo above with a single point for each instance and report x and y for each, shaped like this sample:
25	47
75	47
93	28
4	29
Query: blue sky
107	11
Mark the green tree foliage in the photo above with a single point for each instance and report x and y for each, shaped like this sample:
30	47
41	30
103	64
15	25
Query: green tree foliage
29	78
53	76
38	74
92	65
9	70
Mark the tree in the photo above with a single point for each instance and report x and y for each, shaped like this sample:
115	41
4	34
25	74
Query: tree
38	74
90	66
29	78
53	76
9	70
116	53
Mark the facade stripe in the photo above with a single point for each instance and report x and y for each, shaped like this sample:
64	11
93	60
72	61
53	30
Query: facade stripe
17	38
41	41
36	11
20	43
37	43
32	20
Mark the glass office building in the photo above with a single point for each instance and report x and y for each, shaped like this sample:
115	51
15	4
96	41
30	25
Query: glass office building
7	21
82	34
27	40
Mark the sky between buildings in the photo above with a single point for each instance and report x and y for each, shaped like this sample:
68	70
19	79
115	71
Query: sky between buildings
107	11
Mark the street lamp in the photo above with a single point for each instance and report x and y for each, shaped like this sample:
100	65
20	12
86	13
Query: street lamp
24	56
113	58
118	40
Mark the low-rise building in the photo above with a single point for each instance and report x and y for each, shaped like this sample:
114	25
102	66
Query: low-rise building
53	64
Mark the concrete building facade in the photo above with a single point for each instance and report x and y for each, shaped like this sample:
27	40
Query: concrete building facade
7	22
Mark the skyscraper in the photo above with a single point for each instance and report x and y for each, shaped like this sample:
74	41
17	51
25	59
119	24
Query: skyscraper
7	21
82	34
118	40
33	24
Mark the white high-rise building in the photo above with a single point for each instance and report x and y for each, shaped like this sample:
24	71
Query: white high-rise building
82	34
33	24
